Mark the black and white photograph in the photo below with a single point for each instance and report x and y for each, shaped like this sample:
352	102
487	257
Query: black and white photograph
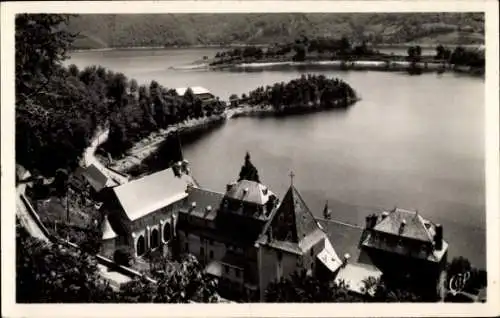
250	157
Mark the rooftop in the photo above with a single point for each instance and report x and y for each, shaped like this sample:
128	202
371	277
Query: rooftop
355	275
196	90
415	226
150	193
249	191
202	203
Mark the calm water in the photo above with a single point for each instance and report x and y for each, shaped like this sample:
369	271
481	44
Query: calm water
414	142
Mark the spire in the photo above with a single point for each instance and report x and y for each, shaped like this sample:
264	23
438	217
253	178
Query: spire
291	177
326	211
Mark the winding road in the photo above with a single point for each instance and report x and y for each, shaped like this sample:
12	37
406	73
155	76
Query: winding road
89	158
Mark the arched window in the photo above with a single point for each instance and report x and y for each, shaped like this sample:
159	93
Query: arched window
141	245
167	232
154	238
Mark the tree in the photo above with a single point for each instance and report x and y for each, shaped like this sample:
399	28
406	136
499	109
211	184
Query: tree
55	274
41	46
179	283
248	170
300	287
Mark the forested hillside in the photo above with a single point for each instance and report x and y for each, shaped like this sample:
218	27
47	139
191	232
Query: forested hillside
135	30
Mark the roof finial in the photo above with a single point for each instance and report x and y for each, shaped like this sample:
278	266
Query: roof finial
291	177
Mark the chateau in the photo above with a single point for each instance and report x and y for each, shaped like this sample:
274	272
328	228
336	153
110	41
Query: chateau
247	237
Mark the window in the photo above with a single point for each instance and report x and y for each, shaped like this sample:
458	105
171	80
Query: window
211	254
226	268
312	252
280	256
237	272
141	246
202	252
154	238
167	233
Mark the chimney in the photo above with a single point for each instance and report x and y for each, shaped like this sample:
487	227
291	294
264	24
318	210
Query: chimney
264	191
384	215
402	227
347	256
185	166
176	169
371	220
438	237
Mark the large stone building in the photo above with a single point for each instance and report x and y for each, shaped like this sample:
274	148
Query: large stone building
245	236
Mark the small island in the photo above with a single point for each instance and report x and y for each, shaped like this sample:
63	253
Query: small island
345	55
309	93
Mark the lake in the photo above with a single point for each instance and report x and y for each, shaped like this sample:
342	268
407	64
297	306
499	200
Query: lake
415	142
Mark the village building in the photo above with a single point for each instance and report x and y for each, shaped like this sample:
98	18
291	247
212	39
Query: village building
198	91
403	246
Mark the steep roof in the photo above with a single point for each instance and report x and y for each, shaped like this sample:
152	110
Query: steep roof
249	191
293	220
415	227
97	179
150	193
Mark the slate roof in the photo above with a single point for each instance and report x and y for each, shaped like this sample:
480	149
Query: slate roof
416	227
150	193
202	198
293	220
249	191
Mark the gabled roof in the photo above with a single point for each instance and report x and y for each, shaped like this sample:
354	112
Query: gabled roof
293	220
415	227
97	179
150	193
196	90
249	191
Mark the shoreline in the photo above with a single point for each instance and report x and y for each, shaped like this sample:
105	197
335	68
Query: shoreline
357	65
236	45
145	148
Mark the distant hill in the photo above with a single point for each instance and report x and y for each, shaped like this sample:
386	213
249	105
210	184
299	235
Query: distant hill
136	30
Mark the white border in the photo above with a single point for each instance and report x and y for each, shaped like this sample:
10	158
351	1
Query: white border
10	309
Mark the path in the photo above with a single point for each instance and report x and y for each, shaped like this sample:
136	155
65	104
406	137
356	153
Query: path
90	158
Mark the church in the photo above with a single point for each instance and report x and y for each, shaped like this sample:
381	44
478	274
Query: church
246	237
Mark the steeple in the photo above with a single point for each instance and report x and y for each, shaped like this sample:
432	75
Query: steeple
293	220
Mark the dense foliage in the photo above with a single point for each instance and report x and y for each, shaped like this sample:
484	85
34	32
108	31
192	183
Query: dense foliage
59	109
180	283
57	274
248	171
113	30
300	287
52	273
311	91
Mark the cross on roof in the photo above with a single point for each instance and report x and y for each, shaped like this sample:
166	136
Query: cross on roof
291	177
